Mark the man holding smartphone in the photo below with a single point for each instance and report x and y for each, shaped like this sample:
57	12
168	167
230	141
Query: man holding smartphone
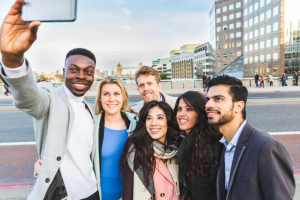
63	120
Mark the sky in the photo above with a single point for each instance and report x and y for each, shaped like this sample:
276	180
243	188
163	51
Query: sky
125	31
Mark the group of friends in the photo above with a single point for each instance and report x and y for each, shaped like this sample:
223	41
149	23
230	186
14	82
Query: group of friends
191	147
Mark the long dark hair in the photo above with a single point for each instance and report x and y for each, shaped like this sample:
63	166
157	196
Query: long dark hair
203	134
141	142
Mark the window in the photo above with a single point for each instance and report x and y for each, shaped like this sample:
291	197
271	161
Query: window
245	24
231	35
238	24
250	72
218	38
238	53
225	55
224	9
246	60
256	71
246	72
231	26
262	30
275	41
275	71
238	15
231	16
262	17
224	18
262	45
250	9
245	1
246	48
231	45
246	12
250	22
268	57
251	47
256	46
268	43
255	59
262	58
231	7
246	36
231	54
250	35
218	29
275	26
219	47
268	1
268	14
256	33
218	10
225	37
225	64
250	60
275	11
268	29
218	55
218	20
238	44
262	3
238	5
275	56
262	71
225	27
256	20
219	64
256	6
238	34
224	46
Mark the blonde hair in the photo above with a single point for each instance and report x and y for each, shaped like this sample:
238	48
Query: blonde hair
111	80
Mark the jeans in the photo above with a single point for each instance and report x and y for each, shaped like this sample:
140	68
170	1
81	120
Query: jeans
284	83
271	83
256	83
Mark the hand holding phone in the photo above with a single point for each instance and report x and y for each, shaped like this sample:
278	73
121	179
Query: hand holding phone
16	36
49	10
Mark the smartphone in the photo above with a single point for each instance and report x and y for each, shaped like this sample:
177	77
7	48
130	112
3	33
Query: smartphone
49	10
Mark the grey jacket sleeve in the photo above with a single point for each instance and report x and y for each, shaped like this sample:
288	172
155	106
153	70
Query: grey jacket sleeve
276	172
27	96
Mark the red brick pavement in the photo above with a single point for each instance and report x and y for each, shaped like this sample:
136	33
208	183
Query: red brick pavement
16	162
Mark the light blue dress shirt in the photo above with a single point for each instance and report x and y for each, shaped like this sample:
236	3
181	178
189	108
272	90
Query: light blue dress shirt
229	151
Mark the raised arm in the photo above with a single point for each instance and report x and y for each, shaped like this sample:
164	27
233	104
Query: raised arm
16	37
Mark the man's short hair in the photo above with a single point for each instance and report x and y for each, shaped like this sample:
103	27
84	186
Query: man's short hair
237	91
83	52
147	71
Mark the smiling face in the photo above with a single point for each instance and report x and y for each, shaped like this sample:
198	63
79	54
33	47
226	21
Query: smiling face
111	98
148	88
156	124
186	117
79	74
220	109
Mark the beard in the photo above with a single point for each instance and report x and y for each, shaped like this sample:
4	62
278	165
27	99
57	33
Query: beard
228	117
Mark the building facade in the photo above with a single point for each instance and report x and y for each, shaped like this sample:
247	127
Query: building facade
163	65
226	31
183	66
204	60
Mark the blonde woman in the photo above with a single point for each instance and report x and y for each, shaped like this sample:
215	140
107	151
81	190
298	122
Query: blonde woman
112	128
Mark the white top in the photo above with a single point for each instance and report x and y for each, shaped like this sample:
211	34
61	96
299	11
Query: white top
76	166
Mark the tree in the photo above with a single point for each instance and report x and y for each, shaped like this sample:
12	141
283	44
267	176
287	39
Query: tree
163	76
43	77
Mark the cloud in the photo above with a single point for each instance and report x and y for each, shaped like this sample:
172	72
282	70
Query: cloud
126	27
121	2
125	11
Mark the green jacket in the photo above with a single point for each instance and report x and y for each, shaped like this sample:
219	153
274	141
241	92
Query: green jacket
133	120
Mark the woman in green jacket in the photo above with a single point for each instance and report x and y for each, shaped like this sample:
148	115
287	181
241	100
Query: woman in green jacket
112	128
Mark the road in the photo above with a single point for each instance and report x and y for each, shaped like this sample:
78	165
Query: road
16	168
270	95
